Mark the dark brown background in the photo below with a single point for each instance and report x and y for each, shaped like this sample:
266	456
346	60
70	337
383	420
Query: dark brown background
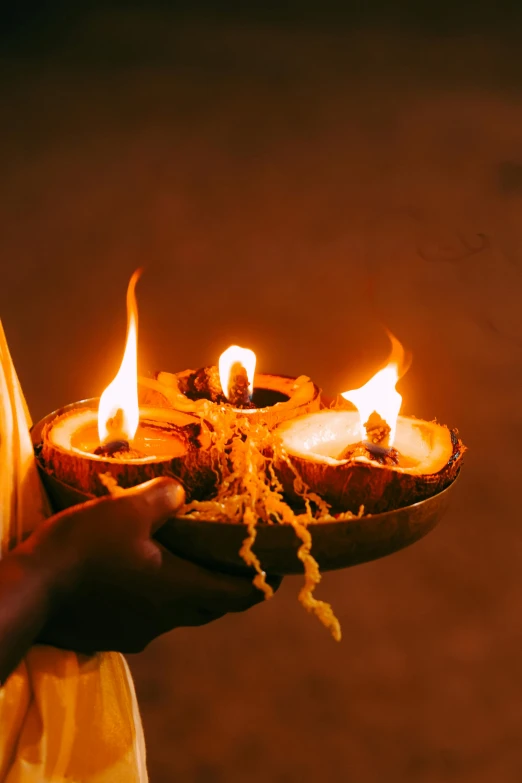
292	184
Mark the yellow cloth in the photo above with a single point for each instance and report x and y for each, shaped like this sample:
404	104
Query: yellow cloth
63	717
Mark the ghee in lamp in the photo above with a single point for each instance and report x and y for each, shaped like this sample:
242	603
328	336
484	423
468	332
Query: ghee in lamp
157	436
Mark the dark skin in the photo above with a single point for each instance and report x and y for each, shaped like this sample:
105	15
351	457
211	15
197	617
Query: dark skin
93	578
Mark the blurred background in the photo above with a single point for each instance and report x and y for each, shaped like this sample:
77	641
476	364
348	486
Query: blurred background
293	177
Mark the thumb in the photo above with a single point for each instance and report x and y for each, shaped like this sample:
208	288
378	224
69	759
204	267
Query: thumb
154	501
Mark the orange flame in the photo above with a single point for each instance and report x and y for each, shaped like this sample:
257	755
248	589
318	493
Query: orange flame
379	394
118	412
232	356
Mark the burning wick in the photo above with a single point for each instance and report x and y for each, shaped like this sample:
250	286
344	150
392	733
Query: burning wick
377	444
238	389
377	431
113	443
236	374
112	448
378	403
378	441
384	455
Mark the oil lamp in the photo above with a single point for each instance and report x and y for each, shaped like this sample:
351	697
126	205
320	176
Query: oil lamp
115	437
370	458
233	386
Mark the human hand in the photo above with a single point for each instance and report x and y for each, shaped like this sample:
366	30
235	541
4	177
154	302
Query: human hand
114	587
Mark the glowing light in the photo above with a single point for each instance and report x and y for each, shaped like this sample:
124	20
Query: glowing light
118	412
379	394
228	364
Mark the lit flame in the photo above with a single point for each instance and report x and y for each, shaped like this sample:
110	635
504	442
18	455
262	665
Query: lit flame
234	356
379	394
118	412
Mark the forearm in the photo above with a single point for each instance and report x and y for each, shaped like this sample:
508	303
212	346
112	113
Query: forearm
25	604
32	581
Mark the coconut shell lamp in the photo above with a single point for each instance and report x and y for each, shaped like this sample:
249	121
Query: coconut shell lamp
233	386
370	458
92	445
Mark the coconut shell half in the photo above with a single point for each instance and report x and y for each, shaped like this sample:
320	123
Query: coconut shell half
81	472
430	457
277	398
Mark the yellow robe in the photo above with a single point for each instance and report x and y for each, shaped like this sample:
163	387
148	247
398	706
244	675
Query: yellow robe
63	717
